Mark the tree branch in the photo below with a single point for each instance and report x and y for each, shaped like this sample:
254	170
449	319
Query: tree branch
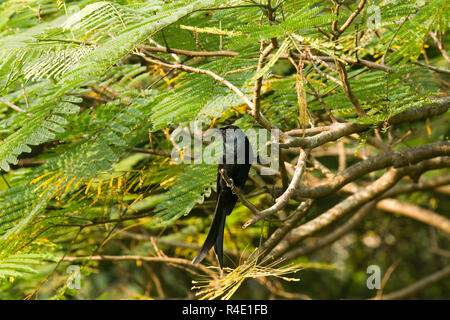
258	83
415	212
348	89
14	107
221	53
281	201
355	201
351	17
419	285
440	46
142	258
338	130
325	219
334	235
238	193
397	158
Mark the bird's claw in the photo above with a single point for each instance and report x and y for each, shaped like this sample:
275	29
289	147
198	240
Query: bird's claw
232	186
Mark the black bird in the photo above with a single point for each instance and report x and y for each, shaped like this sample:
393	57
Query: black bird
237	157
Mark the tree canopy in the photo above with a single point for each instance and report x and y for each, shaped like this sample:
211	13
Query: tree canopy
94	96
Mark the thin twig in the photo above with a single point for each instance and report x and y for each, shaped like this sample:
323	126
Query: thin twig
258	82
251	107
348	89
440	46
141	258
419	285
14	107
238	193
220	53
281	201
415	212
392	39
351	17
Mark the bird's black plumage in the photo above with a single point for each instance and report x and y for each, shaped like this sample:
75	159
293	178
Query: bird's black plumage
237	156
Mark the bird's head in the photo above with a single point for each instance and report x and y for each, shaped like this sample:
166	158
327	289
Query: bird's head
228	126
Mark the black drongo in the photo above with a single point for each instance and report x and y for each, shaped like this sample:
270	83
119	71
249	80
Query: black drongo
236	160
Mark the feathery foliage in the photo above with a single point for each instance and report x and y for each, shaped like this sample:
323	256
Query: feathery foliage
86	116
